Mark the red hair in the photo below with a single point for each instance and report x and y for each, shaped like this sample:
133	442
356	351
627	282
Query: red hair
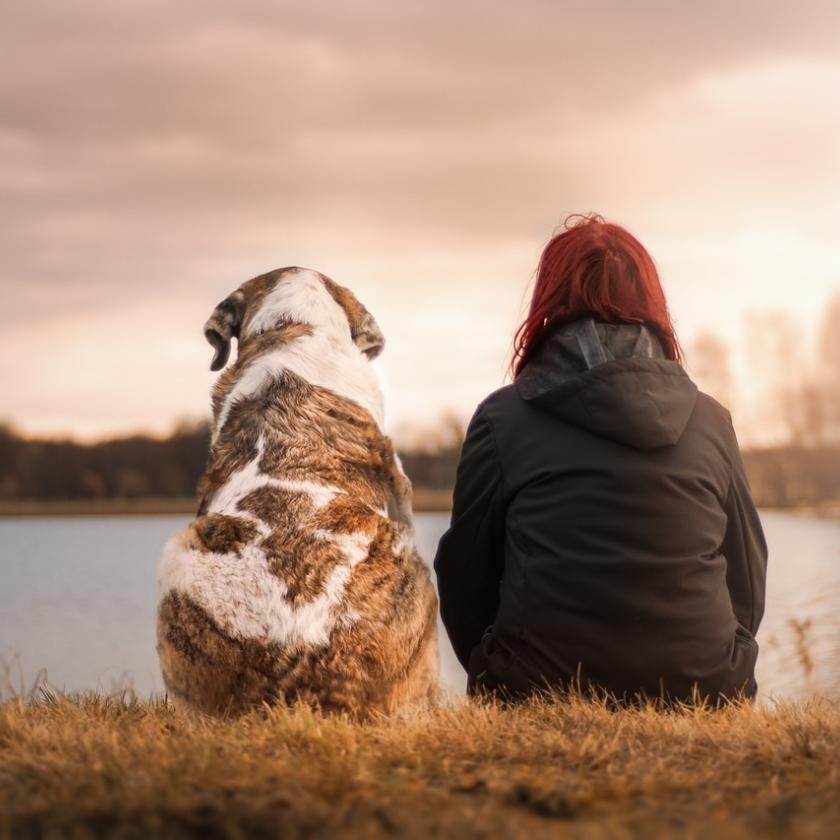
596	269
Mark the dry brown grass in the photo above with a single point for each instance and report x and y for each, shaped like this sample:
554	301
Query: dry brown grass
99	766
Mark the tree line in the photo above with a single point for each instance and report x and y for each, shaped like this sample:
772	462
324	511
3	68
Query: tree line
133	467
142	466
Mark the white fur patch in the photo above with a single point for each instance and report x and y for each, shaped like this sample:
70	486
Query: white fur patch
355	547
239	593
300	295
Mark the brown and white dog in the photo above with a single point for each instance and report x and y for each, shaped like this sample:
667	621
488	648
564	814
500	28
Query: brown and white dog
298	579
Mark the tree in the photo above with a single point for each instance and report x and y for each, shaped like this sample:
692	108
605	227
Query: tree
791	394
829	351
708	359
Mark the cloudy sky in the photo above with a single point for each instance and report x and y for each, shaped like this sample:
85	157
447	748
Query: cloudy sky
153	155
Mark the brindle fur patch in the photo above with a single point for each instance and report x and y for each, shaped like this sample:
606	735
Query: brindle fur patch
222	534
356	313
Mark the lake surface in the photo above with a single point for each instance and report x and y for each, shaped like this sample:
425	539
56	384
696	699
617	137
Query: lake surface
77	598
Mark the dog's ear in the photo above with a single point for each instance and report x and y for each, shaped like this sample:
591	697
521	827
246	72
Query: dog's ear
364	330
367	335
223	325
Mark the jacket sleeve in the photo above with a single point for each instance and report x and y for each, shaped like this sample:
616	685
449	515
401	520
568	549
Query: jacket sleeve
744	548
470	556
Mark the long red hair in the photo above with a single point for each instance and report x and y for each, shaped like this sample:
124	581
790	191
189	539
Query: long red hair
597	269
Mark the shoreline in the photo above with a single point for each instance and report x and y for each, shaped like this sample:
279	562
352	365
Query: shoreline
425	501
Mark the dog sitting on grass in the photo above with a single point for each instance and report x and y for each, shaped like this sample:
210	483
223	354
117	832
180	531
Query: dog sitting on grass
298	579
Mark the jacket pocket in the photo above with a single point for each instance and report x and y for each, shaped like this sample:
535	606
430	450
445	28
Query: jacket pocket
744	657
494	670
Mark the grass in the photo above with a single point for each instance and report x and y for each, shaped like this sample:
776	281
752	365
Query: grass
98	766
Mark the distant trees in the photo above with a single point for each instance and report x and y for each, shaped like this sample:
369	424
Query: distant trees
786	476
708	358
829	353
432	457
146	467
132	467
799	374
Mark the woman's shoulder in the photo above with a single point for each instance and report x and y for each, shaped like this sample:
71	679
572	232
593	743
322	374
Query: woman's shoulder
712	410
498	404
500	412
716	420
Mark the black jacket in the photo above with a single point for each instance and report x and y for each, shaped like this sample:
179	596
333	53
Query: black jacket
603	533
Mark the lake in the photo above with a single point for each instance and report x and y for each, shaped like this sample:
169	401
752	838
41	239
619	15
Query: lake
77	598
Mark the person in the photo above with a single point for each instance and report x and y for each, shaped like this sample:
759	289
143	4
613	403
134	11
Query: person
603	536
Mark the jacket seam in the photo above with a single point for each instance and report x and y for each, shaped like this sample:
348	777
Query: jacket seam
746	557
502	484
496	451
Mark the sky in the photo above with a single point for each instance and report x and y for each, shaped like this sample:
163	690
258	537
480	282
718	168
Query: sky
154	155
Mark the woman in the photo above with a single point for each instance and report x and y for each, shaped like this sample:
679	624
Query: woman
603	535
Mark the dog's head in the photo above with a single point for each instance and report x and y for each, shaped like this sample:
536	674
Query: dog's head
289	296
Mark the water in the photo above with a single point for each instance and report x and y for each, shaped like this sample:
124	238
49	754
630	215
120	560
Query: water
77	598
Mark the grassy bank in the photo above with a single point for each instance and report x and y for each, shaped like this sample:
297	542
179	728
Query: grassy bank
570	769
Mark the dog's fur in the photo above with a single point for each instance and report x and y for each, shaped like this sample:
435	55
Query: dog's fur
299	578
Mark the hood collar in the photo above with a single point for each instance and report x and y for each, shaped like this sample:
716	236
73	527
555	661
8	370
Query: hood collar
612	380
575	347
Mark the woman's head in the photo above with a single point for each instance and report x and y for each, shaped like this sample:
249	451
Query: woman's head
594	269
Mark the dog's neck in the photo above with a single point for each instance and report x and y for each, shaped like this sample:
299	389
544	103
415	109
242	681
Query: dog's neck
324	360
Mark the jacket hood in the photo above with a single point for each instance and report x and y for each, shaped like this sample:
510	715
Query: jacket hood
613	380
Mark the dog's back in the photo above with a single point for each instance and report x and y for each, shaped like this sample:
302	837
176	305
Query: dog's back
299	578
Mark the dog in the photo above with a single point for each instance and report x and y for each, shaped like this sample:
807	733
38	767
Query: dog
298	580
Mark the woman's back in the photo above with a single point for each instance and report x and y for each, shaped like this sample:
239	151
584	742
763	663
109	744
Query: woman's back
602	525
